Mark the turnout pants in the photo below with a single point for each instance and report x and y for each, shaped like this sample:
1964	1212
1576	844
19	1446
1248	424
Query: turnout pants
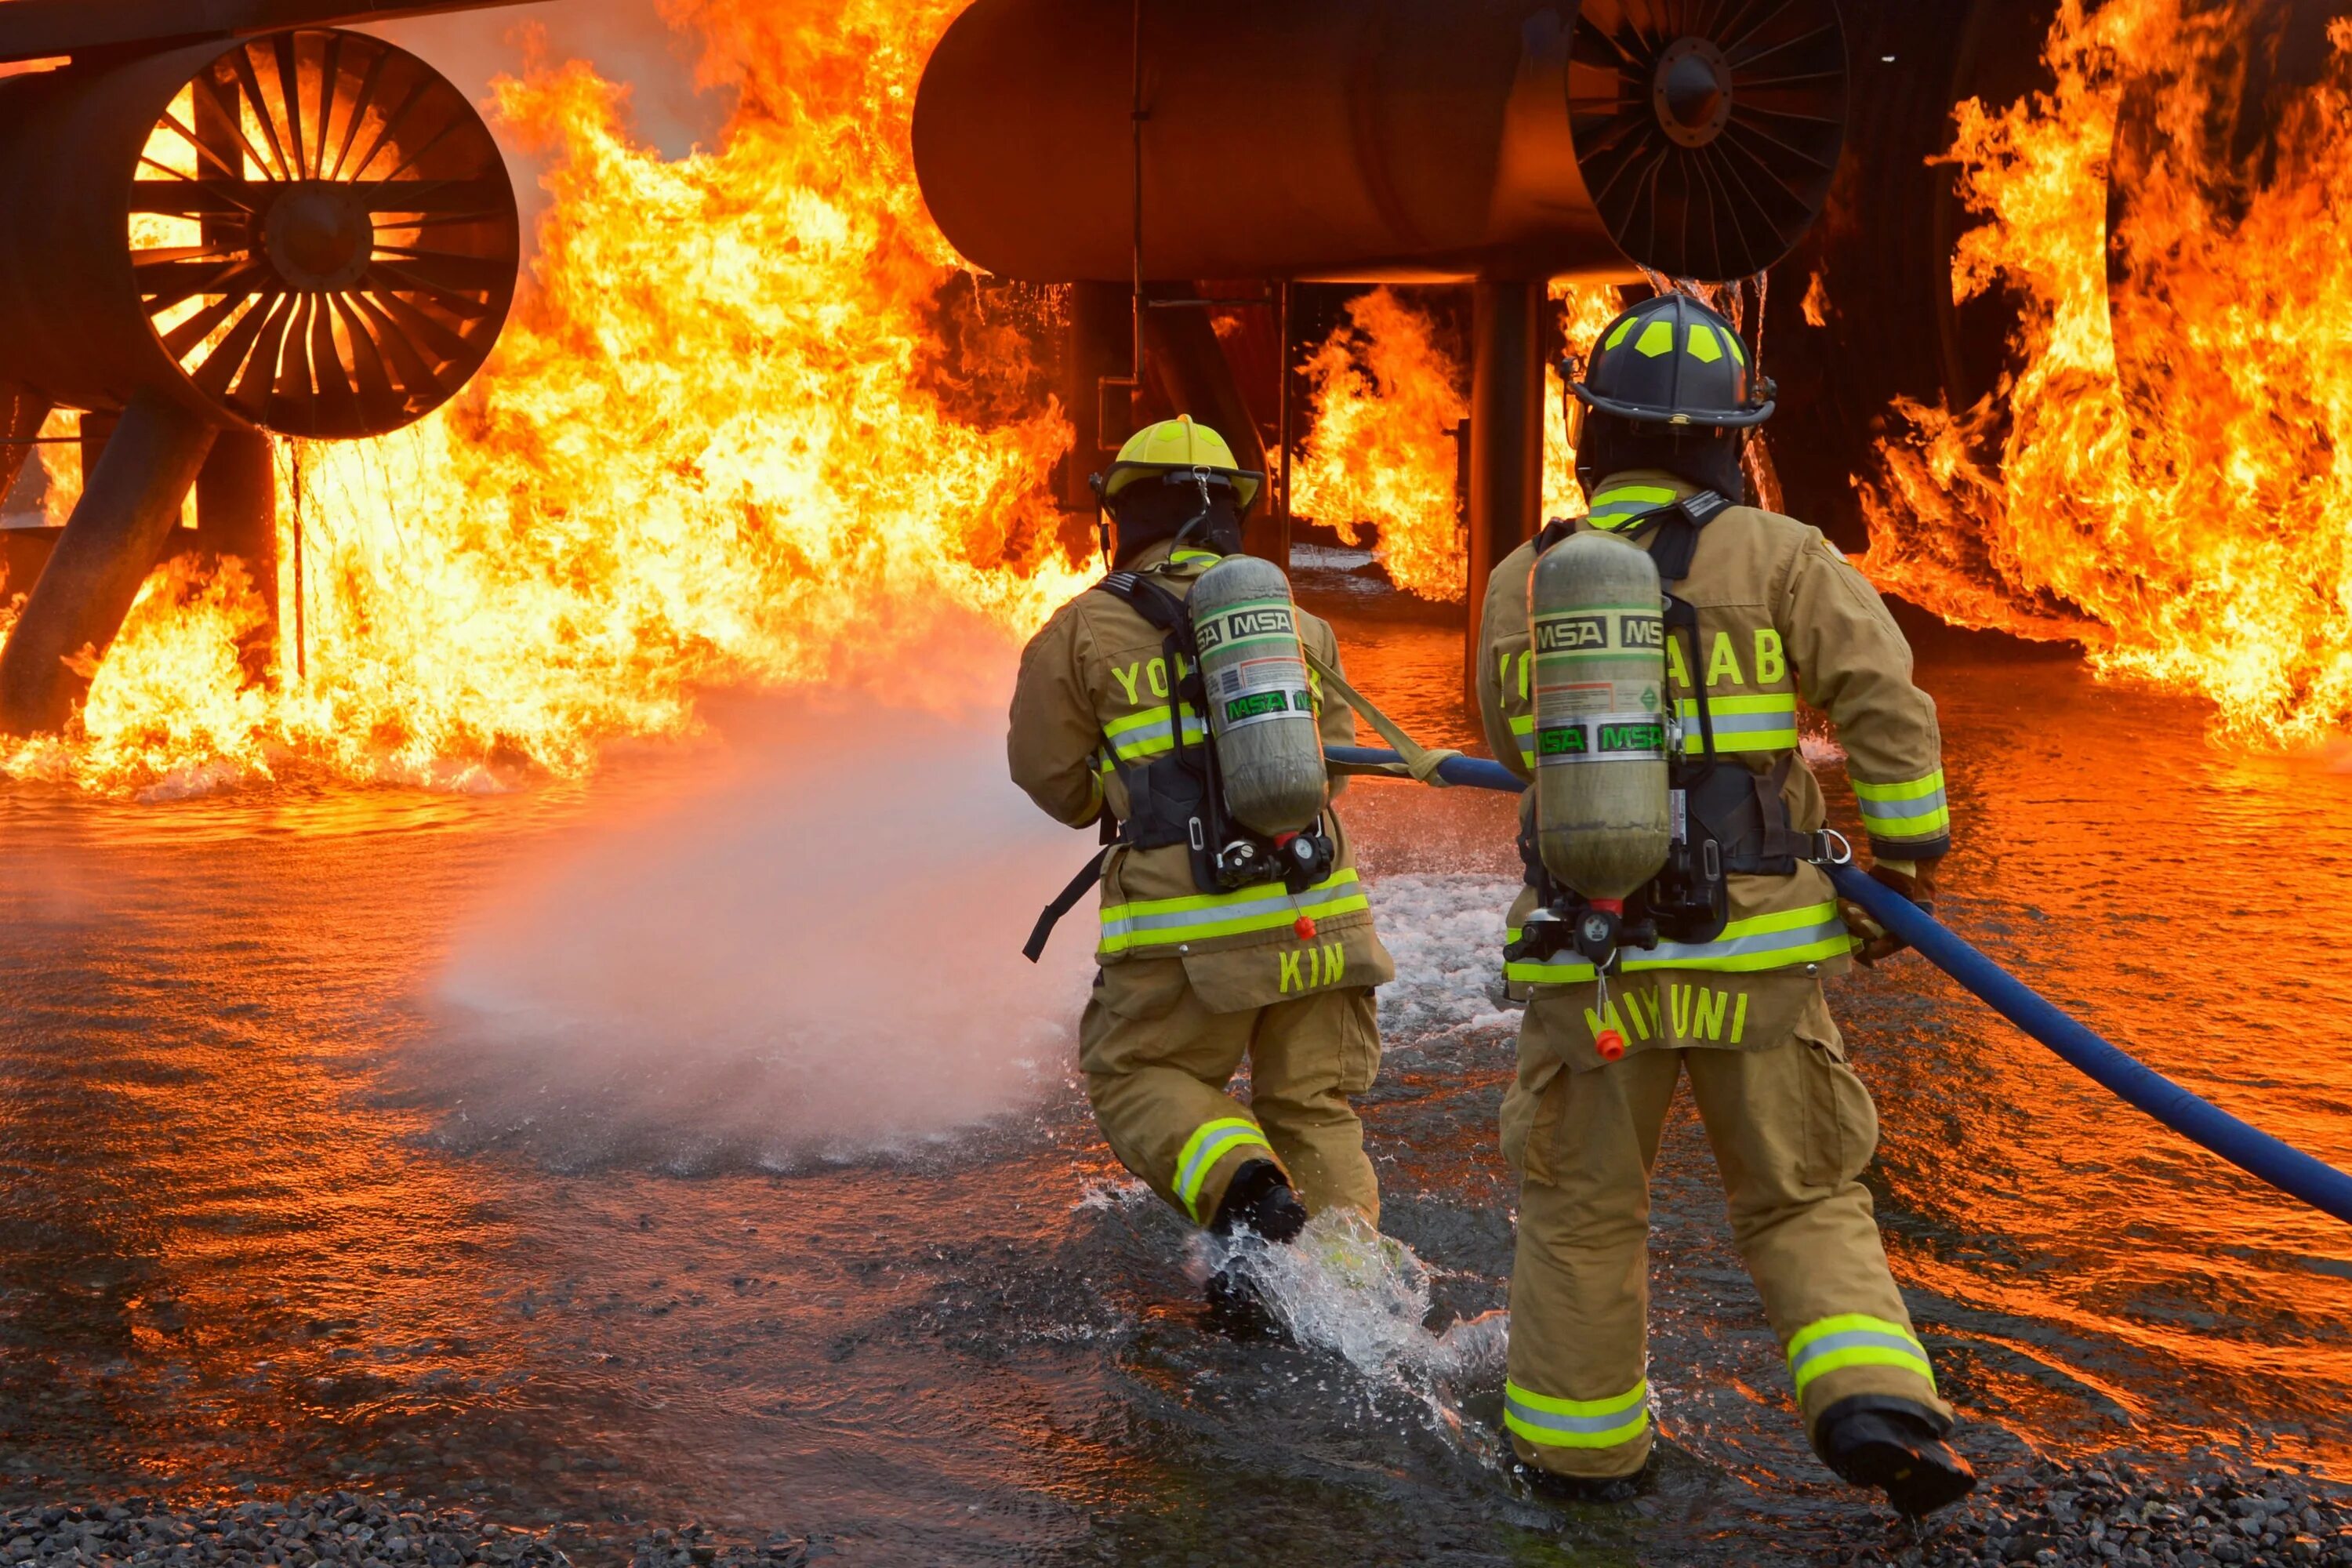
1159	1057
1792	1128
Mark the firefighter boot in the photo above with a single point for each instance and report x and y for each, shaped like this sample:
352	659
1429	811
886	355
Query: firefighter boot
1259	1198
1259	1202
1873	1440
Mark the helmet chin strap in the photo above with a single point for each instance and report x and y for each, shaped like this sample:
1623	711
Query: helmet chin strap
1200	482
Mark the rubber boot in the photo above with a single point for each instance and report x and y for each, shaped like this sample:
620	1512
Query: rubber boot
1554	1488
1259	1199
1875	1440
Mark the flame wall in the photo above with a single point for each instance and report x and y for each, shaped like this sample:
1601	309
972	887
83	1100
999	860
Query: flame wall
2180	508
725	442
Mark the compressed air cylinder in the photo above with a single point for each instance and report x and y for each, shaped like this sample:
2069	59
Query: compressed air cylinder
1261	714
1600	643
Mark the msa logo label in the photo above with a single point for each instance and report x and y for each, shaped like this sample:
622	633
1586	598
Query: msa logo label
1648	739
1572	634
1563	741
1272	621
1257	707
1642	631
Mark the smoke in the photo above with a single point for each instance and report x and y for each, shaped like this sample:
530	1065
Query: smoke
626	41
814	958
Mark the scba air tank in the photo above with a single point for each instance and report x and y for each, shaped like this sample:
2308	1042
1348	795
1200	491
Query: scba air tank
1600	639
1261	711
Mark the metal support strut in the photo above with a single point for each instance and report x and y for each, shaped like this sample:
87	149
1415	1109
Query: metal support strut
1505	441
127	512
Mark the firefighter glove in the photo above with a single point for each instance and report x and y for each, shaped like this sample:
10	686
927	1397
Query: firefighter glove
1915	881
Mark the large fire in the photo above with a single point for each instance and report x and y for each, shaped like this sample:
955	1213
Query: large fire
2181	507
1380	458
721	443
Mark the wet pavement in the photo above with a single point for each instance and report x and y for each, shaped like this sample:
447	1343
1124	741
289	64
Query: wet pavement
692	1145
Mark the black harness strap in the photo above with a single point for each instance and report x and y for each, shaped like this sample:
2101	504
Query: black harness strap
1043	933
1165	612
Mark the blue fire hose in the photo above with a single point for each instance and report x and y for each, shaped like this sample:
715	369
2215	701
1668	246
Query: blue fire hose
2248	1147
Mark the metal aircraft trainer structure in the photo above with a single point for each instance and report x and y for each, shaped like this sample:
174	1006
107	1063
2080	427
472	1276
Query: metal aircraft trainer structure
1501	143
225	219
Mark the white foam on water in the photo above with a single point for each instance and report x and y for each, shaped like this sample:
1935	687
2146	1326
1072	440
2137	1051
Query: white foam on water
1445	932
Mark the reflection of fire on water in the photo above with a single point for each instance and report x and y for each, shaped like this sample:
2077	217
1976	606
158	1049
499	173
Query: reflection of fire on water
2188	515
717	446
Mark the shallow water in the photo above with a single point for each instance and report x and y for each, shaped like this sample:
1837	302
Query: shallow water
674	1147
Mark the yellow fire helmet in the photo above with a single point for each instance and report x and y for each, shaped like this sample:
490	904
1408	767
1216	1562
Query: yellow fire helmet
1180	447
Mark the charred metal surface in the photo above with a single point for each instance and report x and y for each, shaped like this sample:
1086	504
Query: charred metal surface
21	415
1194	377
44	29
237	518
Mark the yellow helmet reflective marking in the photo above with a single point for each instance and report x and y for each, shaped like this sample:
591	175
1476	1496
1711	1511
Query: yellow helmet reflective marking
1619	335
1657	340
1705	346
1179	443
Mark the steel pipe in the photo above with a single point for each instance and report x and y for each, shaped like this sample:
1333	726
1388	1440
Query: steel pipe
1369	140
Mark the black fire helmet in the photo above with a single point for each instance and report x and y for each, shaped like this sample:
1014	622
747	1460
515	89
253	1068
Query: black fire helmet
1670	361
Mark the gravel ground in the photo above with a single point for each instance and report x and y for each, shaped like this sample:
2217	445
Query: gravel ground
353	1531
2108	1512
2092	1515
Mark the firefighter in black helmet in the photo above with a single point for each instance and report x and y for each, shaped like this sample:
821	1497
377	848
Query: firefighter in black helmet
1762	612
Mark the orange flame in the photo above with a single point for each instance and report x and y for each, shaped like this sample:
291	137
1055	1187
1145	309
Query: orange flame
1379	457
2180	509
720	444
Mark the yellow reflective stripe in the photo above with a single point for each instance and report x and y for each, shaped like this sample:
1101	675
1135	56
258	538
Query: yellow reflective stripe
1806	935
1210	1141
1266	907
1937	823
1552	1423
1854	1339
1613	509
1524	729
1758	723
1657	340
1150	732
1767	702
1186	557
1918	789
1917	809
1705	346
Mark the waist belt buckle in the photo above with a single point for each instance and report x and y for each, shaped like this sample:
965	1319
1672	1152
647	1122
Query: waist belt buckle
1831	848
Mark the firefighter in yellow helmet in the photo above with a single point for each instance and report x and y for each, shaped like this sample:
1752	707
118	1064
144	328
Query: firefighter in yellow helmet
1760	612
1194	977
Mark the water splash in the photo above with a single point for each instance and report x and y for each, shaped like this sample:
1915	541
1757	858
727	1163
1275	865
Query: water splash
1344	1288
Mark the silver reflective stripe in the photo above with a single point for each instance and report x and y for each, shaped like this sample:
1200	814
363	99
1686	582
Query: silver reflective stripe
1738	723
1212	1149
1925	805
1669	953
1128	741
1591	1425
1855	1339
1219	913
